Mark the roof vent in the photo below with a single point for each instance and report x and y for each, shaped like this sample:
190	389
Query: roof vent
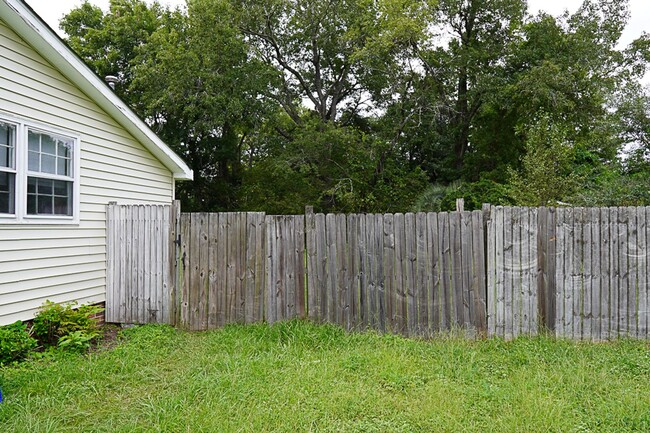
111	80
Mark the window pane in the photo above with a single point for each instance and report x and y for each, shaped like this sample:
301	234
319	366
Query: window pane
62	206
31	204
63	167
31	185
49	197
44	205
7	139
44	187
33	164
62	188
48	164
64	149
5	156
7	197
48	145
34	141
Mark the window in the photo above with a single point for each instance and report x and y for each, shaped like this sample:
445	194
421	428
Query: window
38	173
49	174
7	168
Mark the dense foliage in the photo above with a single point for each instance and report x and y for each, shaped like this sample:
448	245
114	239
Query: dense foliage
364	106
69	324
15	342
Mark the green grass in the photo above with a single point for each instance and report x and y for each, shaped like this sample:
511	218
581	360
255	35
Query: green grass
296	376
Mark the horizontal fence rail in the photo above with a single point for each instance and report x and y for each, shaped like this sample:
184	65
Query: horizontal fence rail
579	273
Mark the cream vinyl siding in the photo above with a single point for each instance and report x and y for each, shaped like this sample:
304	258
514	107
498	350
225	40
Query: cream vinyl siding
68	262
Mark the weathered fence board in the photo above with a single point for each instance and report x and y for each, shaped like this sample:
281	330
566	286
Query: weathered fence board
139	265
395	265
589	266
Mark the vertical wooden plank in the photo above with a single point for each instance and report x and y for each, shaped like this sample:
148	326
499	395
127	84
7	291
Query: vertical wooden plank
640	267
174	256
411	254
371	272
456	268
353	274
156	236
596	271
149	270
211	230
605	273
560	245
422	269
542	267
389	271
313	299
249	281
508	248
632	260
271	257
379	271
491	263
500	292
641	258
342	307
587	248
448	311
624	286
204	280
300	266
111	258
433	283
363	273
577	280
186	237
531	272
321	263
646	285
289	229
569	272
399	283
478	281
614	283
220	241
331	274
551	255
466	267
261	285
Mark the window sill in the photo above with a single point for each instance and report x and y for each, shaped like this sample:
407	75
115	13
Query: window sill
32	221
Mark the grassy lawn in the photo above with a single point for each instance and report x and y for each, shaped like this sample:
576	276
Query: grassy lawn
298	376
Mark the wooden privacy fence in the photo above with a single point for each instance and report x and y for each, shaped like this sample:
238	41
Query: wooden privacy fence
414	274
582	273
240	268
579	273
140	268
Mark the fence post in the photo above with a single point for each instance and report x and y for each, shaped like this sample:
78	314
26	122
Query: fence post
173	265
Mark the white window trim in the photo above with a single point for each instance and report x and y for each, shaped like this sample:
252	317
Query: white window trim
21	169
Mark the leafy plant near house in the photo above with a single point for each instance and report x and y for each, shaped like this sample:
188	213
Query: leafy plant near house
65	326
15	342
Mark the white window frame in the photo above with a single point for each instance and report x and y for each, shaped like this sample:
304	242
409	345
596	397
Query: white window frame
23	126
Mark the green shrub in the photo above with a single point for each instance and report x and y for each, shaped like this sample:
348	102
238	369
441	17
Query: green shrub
77	341
54	321
15	342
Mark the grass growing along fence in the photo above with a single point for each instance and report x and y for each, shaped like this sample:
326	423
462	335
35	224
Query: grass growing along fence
297	376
